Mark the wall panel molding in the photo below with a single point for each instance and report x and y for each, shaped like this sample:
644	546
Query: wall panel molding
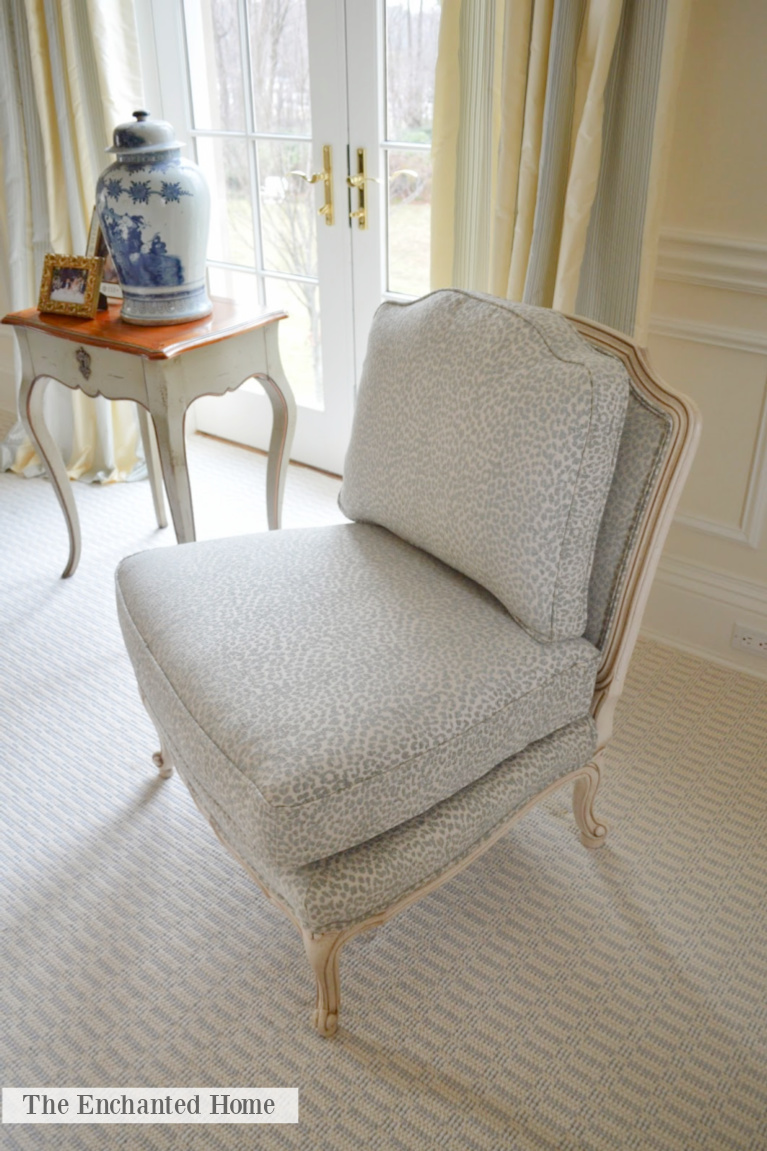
697	332
713	261
722	587
748	530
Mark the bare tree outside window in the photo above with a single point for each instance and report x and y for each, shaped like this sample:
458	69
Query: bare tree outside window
249	73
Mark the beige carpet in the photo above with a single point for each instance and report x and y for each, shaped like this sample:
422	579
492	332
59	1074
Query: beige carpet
548	998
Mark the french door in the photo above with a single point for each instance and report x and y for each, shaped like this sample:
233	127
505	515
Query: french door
312	122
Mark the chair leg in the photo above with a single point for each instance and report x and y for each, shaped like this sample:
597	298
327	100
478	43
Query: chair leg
162	759
593	833
323	951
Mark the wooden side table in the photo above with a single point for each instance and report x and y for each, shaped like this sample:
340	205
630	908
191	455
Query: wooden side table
162	369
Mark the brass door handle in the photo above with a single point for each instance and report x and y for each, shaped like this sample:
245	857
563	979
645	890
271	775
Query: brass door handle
358	182
325	177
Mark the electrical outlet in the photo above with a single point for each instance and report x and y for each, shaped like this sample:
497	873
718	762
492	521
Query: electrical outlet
747	638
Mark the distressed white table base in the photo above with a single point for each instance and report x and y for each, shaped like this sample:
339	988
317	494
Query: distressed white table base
204	359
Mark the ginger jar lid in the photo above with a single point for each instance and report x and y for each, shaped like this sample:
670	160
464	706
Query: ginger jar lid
143	135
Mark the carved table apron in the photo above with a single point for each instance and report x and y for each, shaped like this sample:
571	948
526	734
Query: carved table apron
162	369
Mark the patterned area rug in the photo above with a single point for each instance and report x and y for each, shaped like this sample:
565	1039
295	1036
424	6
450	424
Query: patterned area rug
548	998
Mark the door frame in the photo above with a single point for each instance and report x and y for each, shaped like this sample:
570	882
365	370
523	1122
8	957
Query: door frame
321	434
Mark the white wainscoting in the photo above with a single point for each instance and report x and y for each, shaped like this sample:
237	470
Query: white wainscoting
712	261
748	530
693	607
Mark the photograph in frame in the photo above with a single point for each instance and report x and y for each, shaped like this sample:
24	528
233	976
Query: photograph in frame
97	246
70	285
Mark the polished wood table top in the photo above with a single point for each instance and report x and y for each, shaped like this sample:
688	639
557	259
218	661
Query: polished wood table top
162	369
156	342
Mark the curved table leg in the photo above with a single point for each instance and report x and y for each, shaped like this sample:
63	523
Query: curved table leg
31	407
149	440
283	404
168	409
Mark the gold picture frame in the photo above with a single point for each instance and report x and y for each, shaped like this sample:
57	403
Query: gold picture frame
97	246
70	285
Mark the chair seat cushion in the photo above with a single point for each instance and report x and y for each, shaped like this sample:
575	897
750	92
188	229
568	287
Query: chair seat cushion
353	885
325	685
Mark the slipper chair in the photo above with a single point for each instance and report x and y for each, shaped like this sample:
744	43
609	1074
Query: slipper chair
361	710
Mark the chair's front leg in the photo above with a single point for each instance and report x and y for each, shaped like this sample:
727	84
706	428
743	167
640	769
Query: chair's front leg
322	951
162	759
593	833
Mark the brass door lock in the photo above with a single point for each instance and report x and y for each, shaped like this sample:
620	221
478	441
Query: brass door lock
325	177
359	181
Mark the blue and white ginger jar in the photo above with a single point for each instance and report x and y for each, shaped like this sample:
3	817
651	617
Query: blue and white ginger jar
154	210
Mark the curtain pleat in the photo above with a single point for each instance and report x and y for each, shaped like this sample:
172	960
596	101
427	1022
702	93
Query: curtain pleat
592	68
551	130
475	141
555	153
512	83
517	258
616	233
447	115
69	71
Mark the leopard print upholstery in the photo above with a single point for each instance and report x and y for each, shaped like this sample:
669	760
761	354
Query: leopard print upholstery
328	684
355	716
486	433
349	887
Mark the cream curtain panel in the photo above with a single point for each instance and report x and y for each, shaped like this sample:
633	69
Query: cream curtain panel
552	126
69	71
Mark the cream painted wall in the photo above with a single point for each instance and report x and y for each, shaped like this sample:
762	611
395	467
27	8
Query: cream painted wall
718	175
709	332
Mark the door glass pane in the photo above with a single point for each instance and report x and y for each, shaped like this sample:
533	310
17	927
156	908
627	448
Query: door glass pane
225	164
412	31
226	284
279	51
215	64
409	221
288	210
299	334
300	350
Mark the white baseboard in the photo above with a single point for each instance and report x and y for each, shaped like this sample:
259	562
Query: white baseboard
693	608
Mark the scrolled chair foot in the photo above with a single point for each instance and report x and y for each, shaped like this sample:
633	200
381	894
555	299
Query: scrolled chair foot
595	838
593	832
325	1022
163	763
162	759
322	952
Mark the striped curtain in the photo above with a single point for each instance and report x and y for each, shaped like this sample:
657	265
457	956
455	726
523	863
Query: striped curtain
69	71
552	125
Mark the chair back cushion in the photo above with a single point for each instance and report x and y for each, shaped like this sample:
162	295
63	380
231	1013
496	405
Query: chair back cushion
486	433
